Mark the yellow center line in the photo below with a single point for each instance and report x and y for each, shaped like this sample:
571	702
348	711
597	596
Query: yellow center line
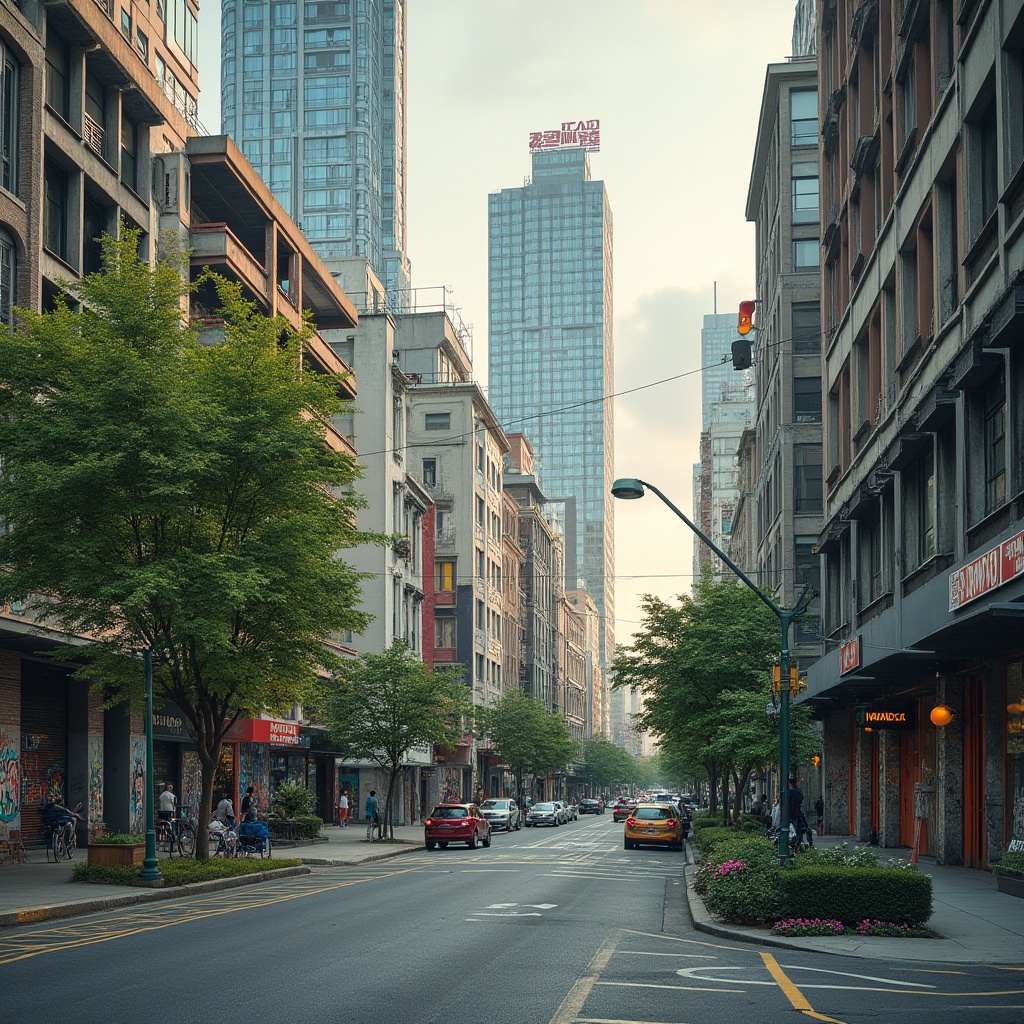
792	993
191	914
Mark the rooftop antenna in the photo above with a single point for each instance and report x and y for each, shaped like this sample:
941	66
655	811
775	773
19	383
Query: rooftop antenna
715	286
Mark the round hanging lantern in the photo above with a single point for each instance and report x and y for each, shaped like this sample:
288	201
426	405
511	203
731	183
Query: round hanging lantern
942	714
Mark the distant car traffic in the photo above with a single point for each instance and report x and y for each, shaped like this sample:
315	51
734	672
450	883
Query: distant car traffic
502	812
589	806
543	814
657	824
620	812
456	823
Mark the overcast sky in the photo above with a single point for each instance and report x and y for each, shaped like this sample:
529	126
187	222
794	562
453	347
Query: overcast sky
677	87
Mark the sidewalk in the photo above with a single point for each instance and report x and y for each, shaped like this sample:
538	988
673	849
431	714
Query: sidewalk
39	891
978	923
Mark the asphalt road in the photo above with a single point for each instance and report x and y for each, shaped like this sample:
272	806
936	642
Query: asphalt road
548	926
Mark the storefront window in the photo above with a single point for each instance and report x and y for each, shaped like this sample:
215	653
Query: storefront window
1015	752
286	767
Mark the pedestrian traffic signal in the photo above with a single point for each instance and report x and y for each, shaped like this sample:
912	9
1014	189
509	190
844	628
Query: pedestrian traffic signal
742	354
746	316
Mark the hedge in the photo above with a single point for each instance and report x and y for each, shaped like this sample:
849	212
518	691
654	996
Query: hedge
852	894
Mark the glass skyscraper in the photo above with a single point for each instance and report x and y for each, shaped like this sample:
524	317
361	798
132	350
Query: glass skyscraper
314	95
551	355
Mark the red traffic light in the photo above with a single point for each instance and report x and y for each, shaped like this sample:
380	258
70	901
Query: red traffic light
746	317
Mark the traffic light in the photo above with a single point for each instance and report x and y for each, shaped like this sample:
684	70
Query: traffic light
742	354
746	321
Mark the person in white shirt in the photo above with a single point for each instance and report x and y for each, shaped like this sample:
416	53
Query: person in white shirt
168	803
225	812
343	809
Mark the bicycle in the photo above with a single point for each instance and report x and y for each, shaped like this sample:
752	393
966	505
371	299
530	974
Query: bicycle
178	834
62	842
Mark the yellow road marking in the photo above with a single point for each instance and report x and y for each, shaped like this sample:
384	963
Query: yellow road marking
567	1012
152	921
791	992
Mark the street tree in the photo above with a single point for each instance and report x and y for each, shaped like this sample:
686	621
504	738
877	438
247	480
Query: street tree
384	705
607	764
703	665
526	736
163	493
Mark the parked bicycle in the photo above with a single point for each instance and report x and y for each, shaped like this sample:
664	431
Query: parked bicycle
178	835
60	828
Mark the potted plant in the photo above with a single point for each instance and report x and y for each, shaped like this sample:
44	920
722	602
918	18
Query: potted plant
117	849
1009	871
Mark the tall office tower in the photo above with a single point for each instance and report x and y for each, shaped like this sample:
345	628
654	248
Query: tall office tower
550	349
314	95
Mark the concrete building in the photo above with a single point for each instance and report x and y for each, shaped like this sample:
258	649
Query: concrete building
598	705
786	478
923	376
315	96
551	353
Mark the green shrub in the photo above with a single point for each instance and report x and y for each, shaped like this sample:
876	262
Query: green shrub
739	879
843	856
850	896
709	835
754	822
180	871
117	839
1007	863
302	826
293	801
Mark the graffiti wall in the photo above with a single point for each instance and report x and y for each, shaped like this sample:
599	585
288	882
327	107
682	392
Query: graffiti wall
191	782
10	781
449	784
254	770
137	789
95	808
42	775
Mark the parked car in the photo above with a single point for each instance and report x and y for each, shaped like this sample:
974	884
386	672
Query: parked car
543	814
589	806
502	812
572	811
620	812
456	823
563	811
655	823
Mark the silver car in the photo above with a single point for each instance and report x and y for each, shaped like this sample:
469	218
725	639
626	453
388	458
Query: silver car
563	811
543	814
502	812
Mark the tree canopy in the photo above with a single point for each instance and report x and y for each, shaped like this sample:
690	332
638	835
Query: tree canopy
607	764
165	493
386	704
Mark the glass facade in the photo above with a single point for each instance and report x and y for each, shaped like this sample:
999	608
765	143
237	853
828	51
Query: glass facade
314	95
550	347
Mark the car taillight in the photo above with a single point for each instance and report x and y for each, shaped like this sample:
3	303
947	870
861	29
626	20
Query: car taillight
631	820
429	821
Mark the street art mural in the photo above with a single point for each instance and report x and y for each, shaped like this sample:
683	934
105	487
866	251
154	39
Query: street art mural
254	770
191	783
137	790
10	785
95	801
449	784
40	782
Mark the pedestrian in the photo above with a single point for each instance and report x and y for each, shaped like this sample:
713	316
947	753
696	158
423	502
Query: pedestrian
757	807
819	816
225	812
168	803
372	814
795	800
248	806
343	809
776	814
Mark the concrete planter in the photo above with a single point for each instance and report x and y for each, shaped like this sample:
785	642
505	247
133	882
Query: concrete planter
1012	884
117	854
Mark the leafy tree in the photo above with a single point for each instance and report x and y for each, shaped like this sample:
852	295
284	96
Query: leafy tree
606	763
386	704
165	493
529	739
703	666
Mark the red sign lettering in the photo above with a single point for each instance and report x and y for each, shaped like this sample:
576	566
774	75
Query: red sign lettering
849	656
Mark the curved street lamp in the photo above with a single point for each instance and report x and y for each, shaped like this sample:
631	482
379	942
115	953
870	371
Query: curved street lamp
630	488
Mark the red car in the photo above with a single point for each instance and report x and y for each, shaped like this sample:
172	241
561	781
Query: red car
623	808
456	823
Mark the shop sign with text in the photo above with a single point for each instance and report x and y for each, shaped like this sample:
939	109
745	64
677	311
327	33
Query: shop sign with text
571	135
849	656
985	573
265	730
894	716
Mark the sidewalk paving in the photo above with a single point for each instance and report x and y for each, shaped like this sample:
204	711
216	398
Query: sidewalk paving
41	890
978	924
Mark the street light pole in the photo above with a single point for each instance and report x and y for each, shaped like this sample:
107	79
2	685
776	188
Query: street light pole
150	870
630	488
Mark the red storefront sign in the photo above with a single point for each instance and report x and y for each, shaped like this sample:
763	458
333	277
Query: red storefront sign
264	730
849	656
985	573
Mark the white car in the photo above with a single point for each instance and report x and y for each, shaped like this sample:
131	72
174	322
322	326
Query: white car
562	810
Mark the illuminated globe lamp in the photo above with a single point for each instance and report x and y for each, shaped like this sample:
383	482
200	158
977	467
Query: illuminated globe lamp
941	715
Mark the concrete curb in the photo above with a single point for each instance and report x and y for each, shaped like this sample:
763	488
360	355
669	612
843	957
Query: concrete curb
32	915
341	862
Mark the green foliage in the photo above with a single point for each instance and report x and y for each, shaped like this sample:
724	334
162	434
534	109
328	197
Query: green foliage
842	855
1007	863
301	826
176	495
607	764
292	800
118	839
853	895
739	879
757	823
181	871
709	834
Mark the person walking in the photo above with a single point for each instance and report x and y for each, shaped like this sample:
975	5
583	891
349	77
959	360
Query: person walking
225	813
249	805
343	809
776	814
372	814
819	816
795	799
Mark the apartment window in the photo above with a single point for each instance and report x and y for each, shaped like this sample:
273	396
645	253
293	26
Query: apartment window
8	266
994	420
806	254
444	632
870	536
908	294
437	421
805	192
126	24
807	565
444	576
806	328
480	509
807	479
142	43
909	106
430	472
807	399
480	615
920	479
948	254
10	96
984	136
58	74
803	107
55	210
129	153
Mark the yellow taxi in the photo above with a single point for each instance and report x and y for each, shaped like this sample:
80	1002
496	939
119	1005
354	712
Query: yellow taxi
657	824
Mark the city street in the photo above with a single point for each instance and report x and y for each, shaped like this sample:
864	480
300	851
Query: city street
548	926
